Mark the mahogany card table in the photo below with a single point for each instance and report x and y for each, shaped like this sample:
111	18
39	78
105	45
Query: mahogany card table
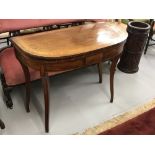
68	49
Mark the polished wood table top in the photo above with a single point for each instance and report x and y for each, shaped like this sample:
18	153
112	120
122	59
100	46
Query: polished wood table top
68	49
72	41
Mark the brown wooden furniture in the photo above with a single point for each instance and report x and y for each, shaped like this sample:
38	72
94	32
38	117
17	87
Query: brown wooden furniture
67	49
150	37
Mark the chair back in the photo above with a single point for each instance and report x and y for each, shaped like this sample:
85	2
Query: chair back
10	25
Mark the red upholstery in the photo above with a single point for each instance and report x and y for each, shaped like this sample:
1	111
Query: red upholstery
99	20
7	25
12	69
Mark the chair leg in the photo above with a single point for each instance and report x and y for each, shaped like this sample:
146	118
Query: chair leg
6	92
147	45
2	125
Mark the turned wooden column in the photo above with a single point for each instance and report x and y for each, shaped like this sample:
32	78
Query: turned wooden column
134	46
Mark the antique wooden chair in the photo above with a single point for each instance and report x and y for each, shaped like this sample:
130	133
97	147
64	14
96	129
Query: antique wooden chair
11	72
150	37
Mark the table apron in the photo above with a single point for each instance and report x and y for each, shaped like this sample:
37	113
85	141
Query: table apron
74	62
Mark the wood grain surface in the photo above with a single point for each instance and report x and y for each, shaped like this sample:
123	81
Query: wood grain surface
72	41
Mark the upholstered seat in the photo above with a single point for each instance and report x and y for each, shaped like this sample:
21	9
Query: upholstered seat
12	69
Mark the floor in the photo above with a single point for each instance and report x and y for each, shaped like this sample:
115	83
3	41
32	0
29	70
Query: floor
78	101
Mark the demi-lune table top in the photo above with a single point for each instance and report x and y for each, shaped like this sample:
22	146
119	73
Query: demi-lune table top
72	41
